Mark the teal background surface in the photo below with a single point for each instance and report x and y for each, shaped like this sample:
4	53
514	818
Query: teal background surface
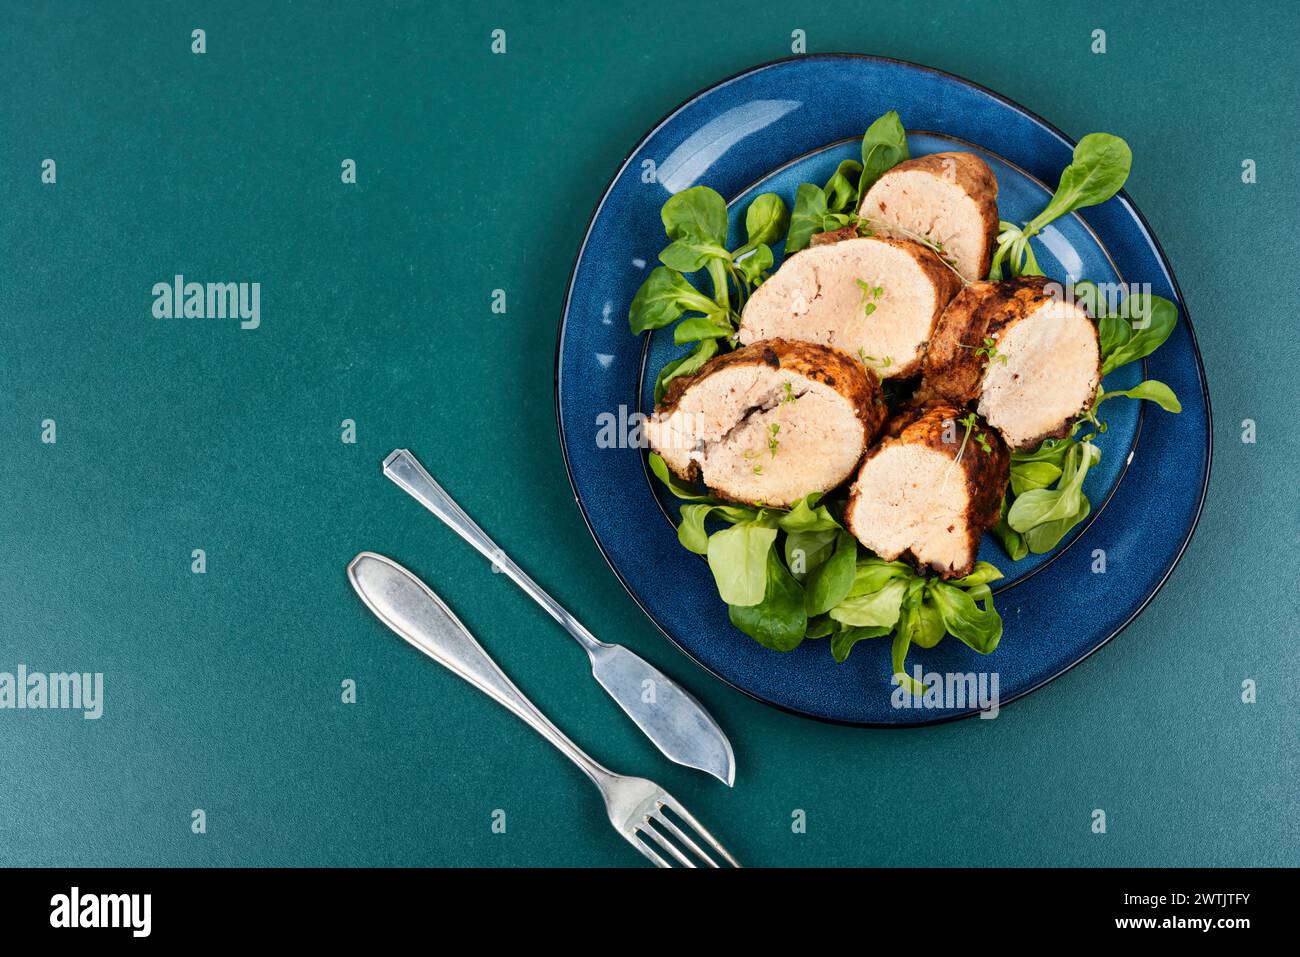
478	172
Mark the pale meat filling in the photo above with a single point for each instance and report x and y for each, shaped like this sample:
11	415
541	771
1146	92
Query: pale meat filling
925	204
706	413
912	497
815	297
780	453
1049	377
761	435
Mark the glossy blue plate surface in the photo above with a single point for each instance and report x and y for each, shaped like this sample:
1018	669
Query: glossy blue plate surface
768	130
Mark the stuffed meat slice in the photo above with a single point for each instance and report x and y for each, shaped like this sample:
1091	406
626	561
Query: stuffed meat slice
769	423
950	199
876	299
930	489
1024	352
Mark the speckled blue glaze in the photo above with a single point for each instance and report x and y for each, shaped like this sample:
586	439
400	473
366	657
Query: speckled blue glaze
769	129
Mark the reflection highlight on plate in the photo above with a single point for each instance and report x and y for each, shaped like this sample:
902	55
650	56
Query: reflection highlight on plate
699	151
1064	251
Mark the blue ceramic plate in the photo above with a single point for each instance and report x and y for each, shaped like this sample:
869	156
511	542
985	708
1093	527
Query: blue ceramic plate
793	121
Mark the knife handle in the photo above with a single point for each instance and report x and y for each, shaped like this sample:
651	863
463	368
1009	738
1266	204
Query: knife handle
405	470
410	608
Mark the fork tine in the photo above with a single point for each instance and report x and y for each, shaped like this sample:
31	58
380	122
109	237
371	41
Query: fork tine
663	842
646	850
675	806
683	837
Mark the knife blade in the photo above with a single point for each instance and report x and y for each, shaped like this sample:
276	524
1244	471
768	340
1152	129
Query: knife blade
666	713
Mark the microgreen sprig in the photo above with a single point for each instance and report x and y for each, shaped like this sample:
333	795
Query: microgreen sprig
870	293
883	362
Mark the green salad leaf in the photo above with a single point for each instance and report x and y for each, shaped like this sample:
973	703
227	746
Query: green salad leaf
806	550
981	574
808	515
916	625
1044	515
829	583
820	627
738	559
1012	542
841	189
778	621
884	146
978	627
874	608
1100	167
766	221
688	364
697	216
675	485
843	639
664	298
1040	505
1151	390
687	257
700	327
1141	325
809	216
690	531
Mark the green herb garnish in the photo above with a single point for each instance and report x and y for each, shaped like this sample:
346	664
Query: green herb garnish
884	361
1100	167
989	350
870	294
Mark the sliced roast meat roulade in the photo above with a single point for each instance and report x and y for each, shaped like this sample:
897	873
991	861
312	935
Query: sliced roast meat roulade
1024	352
930	489
769	423
876	299
950	199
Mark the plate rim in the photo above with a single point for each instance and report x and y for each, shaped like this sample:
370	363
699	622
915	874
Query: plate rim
1122	196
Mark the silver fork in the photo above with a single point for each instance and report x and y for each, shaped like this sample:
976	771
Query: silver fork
636	806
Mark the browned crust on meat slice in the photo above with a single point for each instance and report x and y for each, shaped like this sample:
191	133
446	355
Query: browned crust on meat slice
976	179
833	236
982	310
985	474
947	284
952	370
820	363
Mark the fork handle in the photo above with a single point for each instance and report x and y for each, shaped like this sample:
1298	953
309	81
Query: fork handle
410	608
405	470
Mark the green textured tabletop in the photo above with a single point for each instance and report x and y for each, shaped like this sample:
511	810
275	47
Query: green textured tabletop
476	172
